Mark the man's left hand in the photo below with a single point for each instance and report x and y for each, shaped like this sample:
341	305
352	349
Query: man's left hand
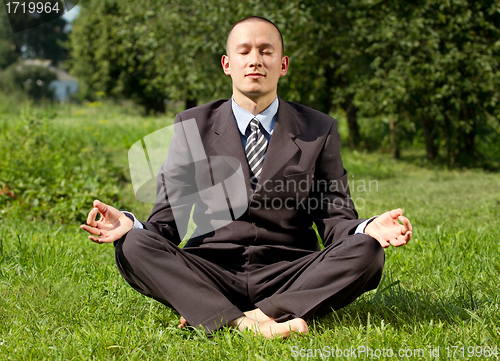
388	231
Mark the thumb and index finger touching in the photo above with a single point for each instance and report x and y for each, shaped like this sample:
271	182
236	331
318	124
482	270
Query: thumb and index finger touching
405	226
397	215
92	225
99	207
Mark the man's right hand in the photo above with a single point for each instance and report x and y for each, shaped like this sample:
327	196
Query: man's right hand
111	226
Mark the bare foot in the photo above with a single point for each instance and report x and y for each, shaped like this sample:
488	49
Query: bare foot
273	329
270	329
183	322
258	316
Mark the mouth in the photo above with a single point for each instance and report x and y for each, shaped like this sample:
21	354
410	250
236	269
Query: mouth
254	75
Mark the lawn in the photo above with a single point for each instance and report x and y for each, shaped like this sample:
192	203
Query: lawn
62	296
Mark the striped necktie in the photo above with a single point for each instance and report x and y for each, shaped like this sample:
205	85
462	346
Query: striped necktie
255	149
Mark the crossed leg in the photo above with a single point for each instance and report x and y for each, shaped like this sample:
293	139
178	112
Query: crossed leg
208	297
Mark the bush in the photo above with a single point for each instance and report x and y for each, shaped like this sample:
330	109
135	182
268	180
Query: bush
31	80
50	171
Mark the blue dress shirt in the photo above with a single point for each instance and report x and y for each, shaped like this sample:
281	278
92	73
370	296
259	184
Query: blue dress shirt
267	119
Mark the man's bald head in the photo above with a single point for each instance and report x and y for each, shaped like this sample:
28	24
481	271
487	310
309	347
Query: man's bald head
256	19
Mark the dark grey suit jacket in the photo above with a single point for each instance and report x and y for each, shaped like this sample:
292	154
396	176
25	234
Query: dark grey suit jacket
303	181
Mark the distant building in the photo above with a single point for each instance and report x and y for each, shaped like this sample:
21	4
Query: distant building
64	86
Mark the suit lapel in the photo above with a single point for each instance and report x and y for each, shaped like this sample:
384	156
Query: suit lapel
227	141
282	146
281	149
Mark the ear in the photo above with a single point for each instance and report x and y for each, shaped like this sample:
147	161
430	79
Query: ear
284	66
225	65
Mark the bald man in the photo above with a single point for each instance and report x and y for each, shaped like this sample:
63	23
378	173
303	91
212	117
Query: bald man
263	271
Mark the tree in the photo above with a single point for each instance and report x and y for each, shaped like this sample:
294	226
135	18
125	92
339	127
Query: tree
429	68
146	51
10	50
31	80
47	41
434	67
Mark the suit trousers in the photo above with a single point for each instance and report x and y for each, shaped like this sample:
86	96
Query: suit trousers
212	295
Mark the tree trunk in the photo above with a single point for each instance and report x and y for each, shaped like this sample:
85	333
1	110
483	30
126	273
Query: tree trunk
396	151
154	105
469	146
351	112
429	137
467	155
450	142
191	102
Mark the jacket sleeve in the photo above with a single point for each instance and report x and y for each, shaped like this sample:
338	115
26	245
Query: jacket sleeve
175	190
335	216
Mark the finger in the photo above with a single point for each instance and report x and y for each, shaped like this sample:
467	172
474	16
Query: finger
91	217
384	243
100	240
91	230
401	240
95	239
397	241
406	222
102	207
396	213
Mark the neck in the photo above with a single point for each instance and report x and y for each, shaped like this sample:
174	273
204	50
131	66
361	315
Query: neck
254	105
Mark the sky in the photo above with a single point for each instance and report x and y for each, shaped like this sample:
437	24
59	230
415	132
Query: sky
71	15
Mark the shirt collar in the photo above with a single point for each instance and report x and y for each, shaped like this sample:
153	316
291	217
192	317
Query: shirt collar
267	117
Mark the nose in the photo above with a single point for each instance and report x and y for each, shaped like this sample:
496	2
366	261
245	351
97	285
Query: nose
256	59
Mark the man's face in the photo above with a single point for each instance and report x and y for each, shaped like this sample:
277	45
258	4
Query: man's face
254	60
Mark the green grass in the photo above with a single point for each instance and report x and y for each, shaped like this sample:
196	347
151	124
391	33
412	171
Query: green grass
62	298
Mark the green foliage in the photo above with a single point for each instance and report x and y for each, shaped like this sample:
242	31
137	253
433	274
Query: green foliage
146	51
52	172
422	74
47	41
9	53
172	49
433	66
32	81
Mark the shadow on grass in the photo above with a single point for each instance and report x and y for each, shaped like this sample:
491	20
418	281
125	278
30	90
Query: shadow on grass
400	307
